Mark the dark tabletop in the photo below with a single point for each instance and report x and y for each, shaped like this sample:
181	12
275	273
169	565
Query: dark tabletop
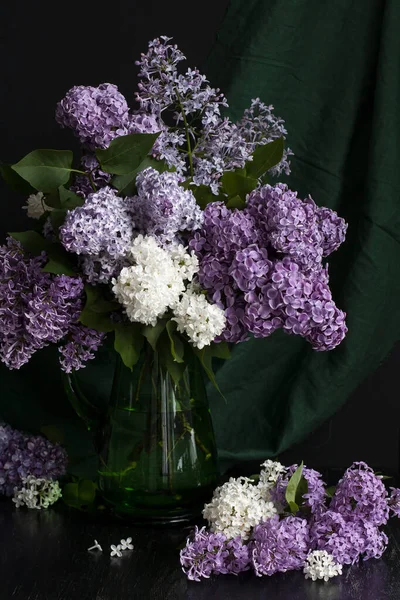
44	556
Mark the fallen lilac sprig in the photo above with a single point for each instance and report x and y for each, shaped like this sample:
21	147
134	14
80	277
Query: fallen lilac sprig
317	533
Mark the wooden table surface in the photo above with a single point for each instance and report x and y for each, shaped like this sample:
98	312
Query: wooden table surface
43	556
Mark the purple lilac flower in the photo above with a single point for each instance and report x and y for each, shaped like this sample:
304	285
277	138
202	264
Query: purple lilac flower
22	455
250	268
162	207
99	115
209	553
53	306
300	304
36	308
347	538
394	501
224	232
279	546
221	148
79	347
332	228
288	224
101	229
314	498
361	493
217	144
259	126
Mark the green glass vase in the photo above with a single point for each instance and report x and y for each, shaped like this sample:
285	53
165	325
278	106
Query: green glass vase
155	441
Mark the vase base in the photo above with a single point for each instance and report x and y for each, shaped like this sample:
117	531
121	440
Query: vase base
156	518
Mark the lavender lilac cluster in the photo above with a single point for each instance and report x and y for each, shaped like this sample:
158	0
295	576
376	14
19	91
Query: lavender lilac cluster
99	115
347	527
101	232
22	455
263	266
209	554
216	143
163	208
36	308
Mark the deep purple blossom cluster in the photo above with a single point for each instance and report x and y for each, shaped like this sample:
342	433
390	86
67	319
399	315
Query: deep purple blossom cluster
99	115
263	266
36	308
348	527
22	455
209	553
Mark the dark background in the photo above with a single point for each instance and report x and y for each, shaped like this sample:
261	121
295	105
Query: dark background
46	48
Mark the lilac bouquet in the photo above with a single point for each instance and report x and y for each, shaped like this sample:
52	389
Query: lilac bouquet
287	519
167	231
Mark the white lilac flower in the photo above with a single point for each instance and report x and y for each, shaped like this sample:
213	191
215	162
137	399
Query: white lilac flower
270	473
116	550
96	546
151	286
36	206
127	544
186	262
236	507
37	493
321	565
201	321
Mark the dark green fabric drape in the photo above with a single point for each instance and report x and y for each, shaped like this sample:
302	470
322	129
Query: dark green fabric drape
332	71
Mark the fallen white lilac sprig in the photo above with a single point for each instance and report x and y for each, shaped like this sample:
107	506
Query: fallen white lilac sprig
36	492
287	519
116	550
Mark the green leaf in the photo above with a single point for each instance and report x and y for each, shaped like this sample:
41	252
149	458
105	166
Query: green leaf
265	157
153	333
330	491
126	184
205	356
59	266
93	314
70	494
204	195
31	241
125	153
236	202
53	200
291	490
175	369
79	493
52	433
86	492
45	170
59	261
302	489
177	346
14	181
69	199
220	350
57	217
238	185
128	342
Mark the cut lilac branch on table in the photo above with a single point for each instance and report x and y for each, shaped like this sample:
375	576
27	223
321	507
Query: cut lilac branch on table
324	534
